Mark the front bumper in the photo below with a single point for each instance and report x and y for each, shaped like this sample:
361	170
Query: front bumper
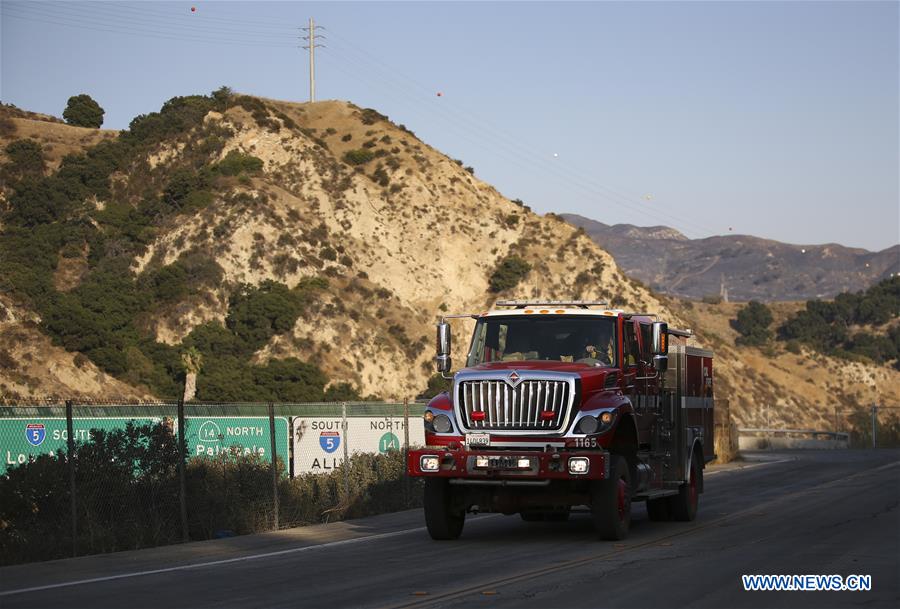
543	465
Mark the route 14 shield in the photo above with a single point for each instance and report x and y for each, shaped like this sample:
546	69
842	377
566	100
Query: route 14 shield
35	433
329	441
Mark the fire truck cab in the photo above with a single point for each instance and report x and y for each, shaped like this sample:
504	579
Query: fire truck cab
566	404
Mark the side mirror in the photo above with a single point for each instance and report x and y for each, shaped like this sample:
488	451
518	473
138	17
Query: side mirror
659	341
661	363
443	361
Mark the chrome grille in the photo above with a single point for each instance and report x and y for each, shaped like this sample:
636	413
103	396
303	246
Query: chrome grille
520	407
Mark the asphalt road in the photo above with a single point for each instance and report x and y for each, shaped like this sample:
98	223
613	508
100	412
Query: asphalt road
810	512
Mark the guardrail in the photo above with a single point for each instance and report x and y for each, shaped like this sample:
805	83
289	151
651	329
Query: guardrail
760	438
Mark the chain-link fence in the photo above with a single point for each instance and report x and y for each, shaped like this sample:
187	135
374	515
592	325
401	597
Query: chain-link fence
870	426
81	478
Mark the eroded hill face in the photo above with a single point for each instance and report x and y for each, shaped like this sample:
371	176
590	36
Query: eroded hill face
402	237
31	366
402	233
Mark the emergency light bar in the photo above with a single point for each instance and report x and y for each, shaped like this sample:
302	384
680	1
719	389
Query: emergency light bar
521	304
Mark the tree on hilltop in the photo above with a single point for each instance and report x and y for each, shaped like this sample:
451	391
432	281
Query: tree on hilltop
83	111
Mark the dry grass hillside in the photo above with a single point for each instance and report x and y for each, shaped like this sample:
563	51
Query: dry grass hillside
56	138
402	233
776	388
403	237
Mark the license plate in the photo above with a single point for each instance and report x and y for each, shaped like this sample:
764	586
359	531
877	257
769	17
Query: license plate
478	439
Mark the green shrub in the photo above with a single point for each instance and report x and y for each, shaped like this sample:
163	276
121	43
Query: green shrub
26	158
257	314
181	184
508	273
436	384
381	177
197	200
236	163
83	111
752	323
127	497
342	392
177	116
36	201
370	116
824	326
359	156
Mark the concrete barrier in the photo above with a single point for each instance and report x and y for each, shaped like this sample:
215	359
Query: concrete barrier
778	439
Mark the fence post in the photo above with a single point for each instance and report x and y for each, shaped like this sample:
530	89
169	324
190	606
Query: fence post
346	441
274	467
874	425
405	451
182	494
70	456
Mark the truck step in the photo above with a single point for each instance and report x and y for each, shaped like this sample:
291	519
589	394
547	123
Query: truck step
656	494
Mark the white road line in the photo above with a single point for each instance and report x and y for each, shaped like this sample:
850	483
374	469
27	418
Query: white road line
746	467
211	563
225	561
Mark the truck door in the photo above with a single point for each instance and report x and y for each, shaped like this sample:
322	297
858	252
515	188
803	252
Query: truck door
647	387
635	380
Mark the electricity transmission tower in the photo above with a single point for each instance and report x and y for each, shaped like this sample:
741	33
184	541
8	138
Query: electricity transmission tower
311	46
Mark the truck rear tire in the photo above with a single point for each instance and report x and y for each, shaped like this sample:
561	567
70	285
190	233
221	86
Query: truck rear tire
684	504
611	502
441	519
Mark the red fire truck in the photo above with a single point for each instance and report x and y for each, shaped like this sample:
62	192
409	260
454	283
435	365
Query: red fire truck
565	404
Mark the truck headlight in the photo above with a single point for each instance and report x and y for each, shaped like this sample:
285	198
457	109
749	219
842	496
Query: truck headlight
441	423
579	465
587	424
429	463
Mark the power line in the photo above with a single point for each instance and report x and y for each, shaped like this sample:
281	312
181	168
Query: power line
528	164
514	147
155	34
462	128
121	19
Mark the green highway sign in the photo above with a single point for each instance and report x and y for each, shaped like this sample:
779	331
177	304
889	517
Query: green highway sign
23	438
210	436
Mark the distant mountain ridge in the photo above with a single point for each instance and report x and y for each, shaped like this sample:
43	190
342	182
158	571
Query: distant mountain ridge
748	267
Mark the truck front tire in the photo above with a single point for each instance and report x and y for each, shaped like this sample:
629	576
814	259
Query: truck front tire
441	518
611	502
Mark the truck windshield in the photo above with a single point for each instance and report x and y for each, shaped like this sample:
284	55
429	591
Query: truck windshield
582	339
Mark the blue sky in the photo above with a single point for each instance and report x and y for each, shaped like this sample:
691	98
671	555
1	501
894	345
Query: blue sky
773	119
